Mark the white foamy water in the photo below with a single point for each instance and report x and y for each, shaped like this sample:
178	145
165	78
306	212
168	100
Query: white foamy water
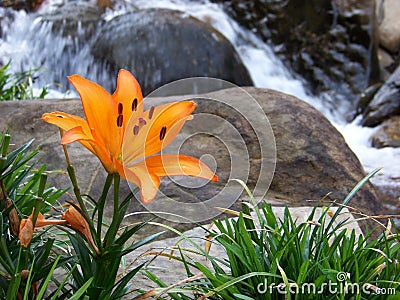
358	138
20	42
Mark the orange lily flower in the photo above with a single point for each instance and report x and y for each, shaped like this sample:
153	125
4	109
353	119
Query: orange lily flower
79	224
26	227
106	131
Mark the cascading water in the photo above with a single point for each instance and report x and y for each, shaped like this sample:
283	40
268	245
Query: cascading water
31	43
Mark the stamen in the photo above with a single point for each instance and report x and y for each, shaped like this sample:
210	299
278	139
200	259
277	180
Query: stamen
142	122
135	130
120	120
134	104
151	112
163	131
120	108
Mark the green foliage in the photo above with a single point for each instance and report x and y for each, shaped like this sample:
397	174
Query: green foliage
92	271
269	258
22	188
99	266
18	86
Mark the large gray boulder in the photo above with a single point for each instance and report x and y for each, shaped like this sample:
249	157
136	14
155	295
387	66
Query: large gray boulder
163	45
312	157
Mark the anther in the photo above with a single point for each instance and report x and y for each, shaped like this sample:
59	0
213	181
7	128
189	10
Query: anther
135	130
151	112
120	119
142	122
120	108
134	104
163	131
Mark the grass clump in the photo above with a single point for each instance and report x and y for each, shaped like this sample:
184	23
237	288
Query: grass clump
19	85
25	273
270	258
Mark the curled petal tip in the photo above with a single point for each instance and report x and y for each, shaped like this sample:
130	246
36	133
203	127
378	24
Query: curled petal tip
215	178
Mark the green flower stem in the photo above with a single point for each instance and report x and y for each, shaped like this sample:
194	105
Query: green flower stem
39	199
117	180
77	192
111	232
6	144
4	150
100	206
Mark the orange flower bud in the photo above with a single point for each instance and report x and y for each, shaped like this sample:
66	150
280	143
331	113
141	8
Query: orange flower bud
25	232
26	227
79	224
13	218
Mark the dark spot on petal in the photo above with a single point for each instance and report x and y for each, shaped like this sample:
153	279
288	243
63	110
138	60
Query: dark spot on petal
134	104
135	130
120	108
163	131
151	112
60	116
120	120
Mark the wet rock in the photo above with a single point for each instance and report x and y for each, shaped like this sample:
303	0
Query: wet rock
330	43
312	157
386	102
388	135
28	5
162	46
73	20
386	63
389	24
366	98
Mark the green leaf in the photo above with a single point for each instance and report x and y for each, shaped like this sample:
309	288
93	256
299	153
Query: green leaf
82	290
60	287
120	286
47	280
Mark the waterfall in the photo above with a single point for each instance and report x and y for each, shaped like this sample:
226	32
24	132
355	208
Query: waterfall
31	43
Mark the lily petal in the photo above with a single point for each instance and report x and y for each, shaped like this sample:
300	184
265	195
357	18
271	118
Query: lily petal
66	121
179	165
129	94
149	139
147	181
77	134
146	174
100	112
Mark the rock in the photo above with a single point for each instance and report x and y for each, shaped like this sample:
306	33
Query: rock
366	98
386	63
386	102
388	135
309	164
312	157
163	45
389	24
330	43
31	5
74	20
